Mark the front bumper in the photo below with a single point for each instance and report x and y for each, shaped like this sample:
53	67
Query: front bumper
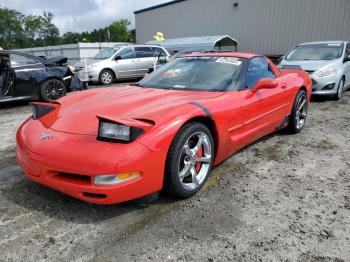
69	162
93	75
324	86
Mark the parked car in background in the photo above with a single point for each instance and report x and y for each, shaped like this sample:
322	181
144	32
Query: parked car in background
328	64
166	131
27	77
120	62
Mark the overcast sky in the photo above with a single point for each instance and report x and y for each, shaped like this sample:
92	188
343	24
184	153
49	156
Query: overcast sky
82	15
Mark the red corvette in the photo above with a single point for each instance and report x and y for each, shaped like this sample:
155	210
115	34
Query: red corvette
111	145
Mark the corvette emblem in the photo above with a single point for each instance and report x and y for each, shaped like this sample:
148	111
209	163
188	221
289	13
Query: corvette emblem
45	136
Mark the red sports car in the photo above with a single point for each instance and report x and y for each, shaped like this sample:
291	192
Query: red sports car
116	144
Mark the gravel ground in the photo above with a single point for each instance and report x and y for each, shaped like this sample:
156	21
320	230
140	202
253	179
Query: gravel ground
284	198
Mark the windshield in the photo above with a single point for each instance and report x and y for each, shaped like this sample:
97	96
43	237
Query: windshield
316	52
106	53
197	73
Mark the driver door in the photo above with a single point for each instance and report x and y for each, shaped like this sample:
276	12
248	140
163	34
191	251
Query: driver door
126	63
263	110
27	74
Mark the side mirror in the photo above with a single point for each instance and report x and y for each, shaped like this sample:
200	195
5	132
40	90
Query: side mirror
118	57
265	83
347	58
162	59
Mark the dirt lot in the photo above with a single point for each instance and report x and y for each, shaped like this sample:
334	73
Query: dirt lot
284	198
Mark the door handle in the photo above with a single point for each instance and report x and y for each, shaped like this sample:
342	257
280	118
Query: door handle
284	86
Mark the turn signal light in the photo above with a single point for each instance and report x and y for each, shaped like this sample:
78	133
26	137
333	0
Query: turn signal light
108	180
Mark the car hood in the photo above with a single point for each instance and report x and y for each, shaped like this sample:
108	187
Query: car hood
60	60
307	65
78	111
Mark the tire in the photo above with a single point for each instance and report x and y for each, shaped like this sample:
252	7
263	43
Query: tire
189	160
340	89
106	77
299	113
52	89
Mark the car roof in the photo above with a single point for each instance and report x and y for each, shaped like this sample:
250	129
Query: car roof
323	42
227	54
133	45
20	53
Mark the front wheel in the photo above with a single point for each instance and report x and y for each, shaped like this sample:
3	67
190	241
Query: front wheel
340	89
106	77
299	113
189	160
52	89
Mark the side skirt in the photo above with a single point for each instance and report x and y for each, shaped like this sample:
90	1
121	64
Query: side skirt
284	123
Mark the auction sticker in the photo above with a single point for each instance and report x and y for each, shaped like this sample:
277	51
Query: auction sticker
229	60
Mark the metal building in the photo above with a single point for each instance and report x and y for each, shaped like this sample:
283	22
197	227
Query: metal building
270	27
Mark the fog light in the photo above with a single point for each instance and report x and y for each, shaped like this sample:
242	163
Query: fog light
107	180
329	87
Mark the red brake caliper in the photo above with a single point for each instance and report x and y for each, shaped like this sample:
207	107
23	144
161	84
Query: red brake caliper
198	164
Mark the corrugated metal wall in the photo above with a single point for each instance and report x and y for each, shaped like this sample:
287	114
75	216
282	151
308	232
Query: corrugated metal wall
262	26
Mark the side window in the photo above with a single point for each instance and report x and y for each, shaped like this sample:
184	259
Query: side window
158	52
258	68
143	52
126	53
19	60
348	49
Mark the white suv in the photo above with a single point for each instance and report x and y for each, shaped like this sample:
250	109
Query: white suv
121	62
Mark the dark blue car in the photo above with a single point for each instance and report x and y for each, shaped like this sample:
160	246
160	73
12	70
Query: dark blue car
28	77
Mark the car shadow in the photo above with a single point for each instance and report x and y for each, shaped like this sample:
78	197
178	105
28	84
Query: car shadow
19	191
12	104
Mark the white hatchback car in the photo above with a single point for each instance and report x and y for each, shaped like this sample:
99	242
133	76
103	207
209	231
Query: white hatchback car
328	64
121	62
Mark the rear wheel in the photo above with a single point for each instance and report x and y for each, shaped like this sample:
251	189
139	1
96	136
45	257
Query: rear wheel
106	77
340	89
189	161
299	113
52	89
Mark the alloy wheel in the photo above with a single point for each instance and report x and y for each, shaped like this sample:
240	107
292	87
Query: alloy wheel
55	90
195	161
106	77
340	89
301	112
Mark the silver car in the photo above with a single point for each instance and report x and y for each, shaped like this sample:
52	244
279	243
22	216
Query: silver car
328	64
120	62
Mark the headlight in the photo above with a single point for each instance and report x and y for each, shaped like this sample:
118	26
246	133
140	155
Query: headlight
113	132
326	72
71	69
41	110
93	66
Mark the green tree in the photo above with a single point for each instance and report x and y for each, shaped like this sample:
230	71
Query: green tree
119	31
33	25
11	30
49	31
70	38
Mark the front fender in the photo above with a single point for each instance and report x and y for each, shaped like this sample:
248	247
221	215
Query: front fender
160	137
